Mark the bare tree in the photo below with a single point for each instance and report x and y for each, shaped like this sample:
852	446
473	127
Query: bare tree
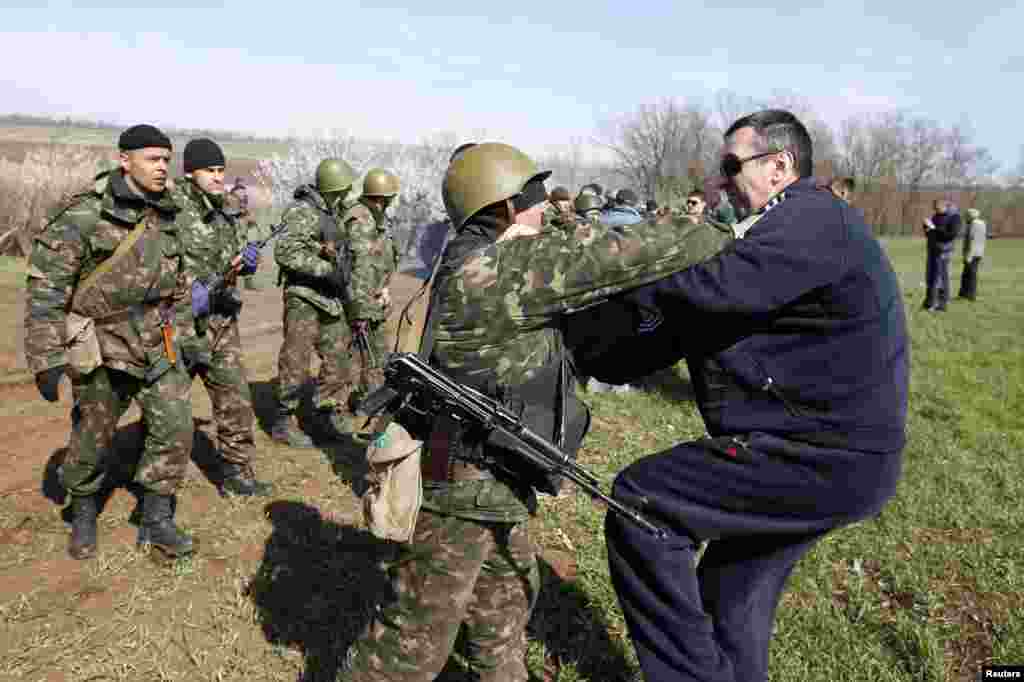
663	147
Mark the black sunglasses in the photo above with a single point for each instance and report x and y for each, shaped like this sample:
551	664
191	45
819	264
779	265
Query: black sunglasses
732	164
692	202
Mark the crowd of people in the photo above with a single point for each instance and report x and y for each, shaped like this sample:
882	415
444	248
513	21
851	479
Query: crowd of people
759	281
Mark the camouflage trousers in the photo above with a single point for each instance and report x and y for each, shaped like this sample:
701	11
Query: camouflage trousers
367	368
101	398
309	330
343	369
230	396
455	572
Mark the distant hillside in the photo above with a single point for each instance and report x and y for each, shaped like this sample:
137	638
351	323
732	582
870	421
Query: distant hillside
19	132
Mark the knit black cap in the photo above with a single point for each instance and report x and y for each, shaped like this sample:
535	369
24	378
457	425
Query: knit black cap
142	136
202	153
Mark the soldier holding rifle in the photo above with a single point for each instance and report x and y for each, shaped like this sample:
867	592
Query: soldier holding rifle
214	242
374	255
314	261
494	324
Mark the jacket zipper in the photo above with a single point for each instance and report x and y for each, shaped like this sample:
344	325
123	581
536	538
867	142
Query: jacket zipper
773	388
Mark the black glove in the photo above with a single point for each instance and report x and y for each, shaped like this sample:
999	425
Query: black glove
48	382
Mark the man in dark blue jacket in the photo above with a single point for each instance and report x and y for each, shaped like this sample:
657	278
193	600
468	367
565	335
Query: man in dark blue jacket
796	340
941	230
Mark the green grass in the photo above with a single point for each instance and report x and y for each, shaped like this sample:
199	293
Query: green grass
928	591
932	588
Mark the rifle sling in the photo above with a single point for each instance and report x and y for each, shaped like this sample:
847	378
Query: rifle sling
106	266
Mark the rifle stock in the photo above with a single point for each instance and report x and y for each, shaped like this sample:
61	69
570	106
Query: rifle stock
411	382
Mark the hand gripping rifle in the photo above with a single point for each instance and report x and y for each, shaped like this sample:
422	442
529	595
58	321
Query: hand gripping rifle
218	283
412	384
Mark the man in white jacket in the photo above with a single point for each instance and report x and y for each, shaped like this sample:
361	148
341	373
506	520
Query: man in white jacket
974	251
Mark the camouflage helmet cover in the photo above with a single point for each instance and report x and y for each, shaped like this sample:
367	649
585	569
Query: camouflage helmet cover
334	175
484	175
380	183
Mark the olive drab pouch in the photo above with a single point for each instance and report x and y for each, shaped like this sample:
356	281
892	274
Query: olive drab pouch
393	499
83	348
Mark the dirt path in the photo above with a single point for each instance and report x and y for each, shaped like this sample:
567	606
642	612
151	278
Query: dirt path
122	617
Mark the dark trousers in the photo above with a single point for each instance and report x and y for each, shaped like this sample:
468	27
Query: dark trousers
969	279
761	509
936	276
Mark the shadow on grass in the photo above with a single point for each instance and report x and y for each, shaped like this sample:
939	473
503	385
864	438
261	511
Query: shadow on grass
320	582
318	585
574	631
346	455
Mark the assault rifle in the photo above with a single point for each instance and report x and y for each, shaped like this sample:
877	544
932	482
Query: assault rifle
219	283
411	384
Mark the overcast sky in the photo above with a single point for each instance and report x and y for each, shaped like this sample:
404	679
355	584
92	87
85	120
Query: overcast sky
534	74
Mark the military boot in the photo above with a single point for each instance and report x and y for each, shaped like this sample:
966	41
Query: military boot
83	527
239	479
158	527
287	432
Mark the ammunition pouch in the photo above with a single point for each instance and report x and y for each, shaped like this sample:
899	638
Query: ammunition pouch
82	344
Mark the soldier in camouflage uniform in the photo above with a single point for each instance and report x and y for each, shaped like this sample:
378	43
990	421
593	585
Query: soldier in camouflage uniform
105	287
212	239
497	310
313	257
374	253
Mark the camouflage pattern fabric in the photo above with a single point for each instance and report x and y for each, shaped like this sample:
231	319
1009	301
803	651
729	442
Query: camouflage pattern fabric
308	329
301	250
80	237
77	241
455	571
374	260
101	398
365	374
211	237
499	311
554	216
230	396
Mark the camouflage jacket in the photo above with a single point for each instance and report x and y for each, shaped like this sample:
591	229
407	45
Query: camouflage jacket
498	311
211	237
374	261
300	251
555	217
81	236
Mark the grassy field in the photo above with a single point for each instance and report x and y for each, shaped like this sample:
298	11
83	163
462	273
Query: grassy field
934	586
107	139
928	591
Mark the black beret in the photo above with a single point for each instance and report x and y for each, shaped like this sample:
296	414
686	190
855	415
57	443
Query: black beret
142	136
202	153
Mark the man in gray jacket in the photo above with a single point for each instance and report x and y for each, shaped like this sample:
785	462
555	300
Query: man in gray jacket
974	251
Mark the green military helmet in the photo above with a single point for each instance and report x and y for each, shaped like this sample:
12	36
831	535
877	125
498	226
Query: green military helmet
484	175
380	183
588	202
334	175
